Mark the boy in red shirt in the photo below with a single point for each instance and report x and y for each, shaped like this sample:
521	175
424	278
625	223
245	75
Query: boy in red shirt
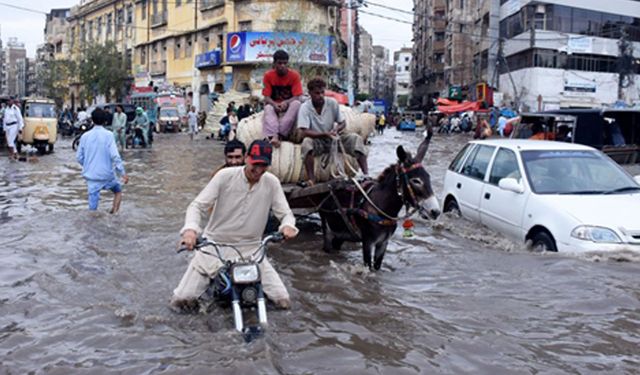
282	88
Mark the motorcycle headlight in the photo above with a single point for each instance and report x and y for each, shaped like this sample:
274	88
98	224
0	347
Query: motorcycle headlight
245	273
595	234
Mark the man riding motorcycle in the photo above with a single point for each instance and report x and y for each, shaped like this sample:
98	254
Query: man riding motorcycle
142	121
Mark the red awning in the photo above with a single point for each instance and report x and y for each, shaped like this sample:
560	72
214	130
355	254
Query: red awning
445	101
462	107
341	98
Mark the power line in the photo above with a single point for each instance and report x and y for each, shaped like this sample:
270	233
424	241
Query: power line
23	8
388	7
385	17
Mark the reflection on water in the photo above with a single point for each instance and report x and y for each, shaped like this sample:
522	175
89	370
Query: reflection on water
88	292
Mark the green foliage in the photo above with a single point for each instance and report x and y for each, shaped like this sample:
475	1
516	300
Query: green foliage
402	100
362	97
56	77
101	70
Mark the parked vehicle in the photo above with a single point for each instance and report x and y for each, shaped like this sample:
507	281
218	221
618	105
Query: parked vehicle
407	124
416	116
83	127
238	282
559	196
40	124
169	120
616	132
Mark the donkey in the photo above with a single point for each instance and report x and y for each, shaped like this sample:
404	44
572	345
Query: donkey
367	212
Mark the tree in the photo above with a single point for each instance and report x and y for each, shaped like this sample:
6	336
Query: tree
102	70
56	76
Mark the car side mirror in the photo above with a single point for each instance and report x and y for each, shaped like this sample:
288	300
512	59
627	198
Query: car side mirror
637	178
511	184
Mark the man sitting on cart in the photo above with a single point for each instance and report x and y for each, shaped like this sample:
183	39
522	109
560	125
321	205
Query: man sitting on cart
316	120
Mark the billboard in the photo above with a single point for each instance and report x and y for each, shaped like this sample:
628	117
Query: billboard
208	59
248	46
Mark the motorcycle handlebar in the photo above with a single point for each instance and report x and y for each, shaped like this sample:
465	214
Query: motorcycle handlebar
202	241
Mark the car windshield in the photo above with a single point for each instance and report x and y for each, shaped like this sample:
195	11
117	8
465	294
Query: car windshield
575	172
169	113
41	110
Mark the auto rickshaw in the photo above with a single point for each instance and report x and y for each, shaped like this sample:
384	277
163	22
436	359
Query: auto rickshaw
40	124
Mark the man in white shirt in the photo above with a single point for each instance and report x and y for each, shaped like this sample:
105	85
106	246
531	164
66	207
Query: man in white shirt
13	124
316	120
241	198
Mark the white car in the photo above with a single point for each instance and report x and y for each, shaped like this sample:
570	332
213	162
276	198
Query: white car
560	196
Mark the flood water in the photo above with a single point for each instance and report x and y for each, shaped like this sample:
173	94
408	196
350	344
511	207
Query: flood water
87	292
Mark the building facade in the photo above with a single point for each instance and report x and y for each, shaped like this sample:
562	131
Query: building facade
428	68
55	33
97	22
566	53
381	87
365	57
215	45
15	68
402	65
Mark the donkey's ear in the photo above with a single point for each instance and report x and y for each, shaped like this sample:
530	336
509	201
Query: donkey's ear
402	154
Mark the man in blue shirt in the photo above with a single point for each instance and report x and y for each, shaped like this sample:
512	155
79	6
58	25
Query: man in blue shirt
98	155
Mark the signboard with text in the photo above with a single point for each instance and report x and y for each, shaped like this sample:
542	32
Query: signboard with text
208	59
249	46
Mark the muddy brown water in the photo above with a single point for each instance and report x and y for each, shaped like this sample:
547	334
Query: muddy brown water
88	293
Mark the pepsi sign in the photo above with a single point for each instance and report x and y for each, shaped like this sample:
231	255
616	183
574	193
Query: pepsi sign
236	46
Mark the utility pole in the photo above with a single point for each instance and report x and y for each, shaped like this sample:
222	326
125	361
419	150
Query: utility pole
625	63
350	54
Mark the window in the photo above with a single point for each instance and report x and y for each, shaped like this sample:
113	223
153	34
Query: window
287	25
178	3
406	68
477	163
143	9
99	28
129	14
406	59
505	165
457	161
109	23
187	46
244	25
90	26
177	47
143	55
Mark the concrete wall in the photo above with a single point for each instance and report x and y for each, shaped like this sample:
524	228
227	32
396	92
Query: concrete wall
551	83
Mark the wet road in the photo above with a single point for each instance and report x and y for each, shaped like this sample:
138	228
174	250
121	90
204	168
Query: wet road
88	293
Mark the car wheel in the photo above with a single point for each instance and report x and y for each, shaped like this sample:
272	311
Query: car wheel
542	241
452	206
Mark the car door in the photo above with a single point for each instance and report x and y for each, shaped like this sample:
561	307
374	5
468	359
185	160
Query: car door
468	184
500	209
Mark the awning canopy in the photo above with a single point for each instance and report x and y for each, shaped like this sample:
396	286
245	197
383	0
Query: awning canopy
341	98
462	107
445	101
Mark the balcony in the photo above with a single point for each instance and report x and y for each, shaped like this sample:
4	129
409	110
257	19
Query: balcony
159	19
439	25
438	46
210	4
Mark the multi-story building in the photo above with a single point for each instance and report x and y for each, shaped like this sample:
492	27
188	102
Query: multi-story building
365	57
15	71
402	65
565	53
380	76
96	22
55	33
31	81
486	37
459	43
3	67
428	68
215	45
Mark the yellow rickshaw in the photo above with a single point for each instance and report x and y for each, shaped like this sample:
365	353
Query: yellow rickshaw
40	124
416	116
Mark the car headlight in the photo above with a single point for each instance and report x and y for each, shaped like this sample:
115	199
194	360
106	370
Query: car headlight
595	234
245	273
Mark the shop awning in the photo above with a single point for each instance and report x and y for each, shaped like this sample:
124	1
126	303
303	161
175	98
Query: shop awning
341	98
462	107
445	101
